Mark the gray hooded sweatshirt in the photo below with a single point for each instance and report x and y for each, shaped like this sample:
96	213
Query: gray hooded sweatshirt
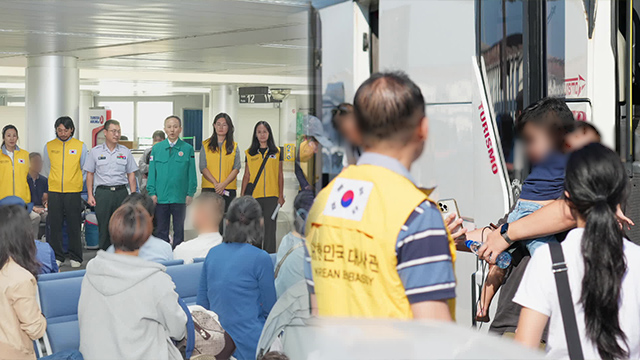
128	309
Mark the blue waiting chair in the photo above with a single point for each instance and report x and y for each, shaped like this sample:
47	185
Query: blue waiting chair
172	262
59	304
187	280
198	260
61	275
273	259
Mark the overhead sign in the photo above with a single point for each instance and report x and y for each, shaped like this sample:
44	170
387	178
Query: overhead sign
256	95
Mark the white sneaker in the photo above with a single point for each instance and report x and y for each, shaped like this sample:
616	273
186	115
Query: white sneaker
75	264
59	263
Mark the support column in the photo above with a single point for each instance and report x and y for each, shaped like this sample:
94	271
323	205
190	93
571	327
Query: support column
223	98
85	103
52	90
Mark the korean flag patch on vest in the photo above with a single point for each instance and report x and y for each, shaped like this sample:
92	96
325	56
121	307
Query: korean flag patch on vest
20	161
73	152
348	199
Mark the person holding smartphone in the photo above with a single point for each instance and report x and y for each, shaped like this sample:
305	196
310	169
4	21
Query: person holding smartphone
220	161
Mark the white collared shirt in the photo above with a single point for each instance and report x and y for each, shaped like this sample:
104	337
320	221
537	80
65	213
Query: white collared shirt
197	248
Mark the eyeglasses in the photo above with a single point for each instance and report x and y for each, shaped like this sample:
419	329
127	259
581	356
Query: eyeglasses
115	132
221	124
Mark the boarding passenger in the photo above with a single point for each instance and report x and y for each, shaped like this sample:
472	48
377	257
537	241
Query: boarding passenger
22	322
143	163
344	121
543	125
378	245
266	186
603	268
154	249
207	214
172	180
128	308
290	257
39	188
14	166
237	278
110	167
64	158
220	161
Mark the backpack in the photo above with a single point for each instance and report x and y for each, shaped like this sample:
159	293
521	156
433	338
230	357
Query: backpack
211	341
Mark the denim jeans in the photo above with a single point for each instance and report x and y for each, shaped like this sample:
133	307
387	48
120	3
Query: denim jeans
524	208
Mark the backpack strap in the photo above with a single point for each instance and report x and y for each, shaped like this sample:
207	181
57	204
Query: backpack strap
296	246
567	310
191	330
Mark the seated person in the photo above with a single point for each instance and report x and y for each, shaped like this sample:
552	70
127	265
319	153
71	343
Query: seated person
128	308
237	278
207	215
21	320
290	256
543	126
153	249
44	253
39	186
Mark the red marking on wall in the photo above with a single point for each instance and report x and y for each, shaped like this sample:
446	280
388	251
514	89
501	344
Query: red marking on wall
580	115
488	142
574	86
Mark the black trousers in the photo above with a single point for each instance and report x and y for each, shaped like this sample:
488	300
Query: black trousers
227	201
65	207
107	202
164	214
268	205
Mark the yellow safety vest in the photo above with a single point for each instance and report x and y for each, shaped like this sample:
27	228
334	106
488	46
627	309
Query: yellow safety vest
65	175
13	175
267	185
351	237
220	166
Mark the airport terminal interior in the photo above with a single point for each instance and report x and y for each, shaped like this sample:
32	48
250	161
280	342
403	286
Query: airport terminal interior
280	159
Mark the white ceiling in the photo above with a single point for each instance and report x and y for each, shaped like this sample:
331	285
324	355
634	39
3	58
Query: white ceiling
212	37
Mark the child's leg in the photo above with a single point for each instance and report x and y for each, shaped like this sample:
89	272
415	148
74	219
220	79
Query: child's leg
533	245
491	285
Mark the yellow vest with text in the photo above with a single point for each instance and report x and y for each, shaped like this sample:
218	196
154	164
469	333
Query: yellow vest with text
354	262
267	185
65	175
220	164
13	175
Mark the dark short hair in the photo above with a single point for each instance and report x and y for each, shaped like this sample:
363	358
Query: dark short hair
551	113
244	221
7	128
213	201
158	134
583	126
275	355
109	123
388	106
34	155
302	205
173	117
130	227
143	200
67	122
17	239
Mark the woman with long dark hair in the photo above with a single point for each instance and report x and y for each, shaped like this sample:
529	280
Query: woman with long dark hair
603	267
237	278
22	322
268	188
14	166
220	161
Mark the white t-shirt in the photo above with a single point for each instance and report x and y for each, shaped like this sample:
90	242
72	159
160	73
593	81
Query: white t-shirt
197	248
538	292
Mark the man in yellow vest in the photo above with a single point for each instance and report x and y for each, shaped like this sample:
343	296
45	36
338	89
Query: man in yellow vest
377	245
64	158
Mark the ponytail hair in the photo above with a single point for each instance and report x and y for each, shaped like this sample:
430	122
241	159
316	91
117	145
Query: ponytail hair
244	222
596	183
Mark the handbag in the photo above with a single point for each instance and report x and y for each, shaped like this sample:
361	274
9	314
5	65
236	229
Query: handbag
206	339
252	185
567	311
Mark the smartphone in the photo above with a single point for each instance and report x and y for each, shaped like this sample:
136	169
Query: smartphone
448	207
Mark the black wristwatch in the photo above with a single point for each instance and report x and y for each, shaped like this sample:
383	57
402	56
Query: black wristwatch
503	232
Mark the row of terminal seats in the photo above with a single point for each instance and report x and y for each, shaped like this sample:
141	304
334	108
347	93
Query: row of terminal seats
59	294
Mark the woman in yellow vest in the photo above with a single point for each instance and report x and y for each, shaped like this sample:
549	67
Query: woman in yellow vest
220	161
269	186
14	166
